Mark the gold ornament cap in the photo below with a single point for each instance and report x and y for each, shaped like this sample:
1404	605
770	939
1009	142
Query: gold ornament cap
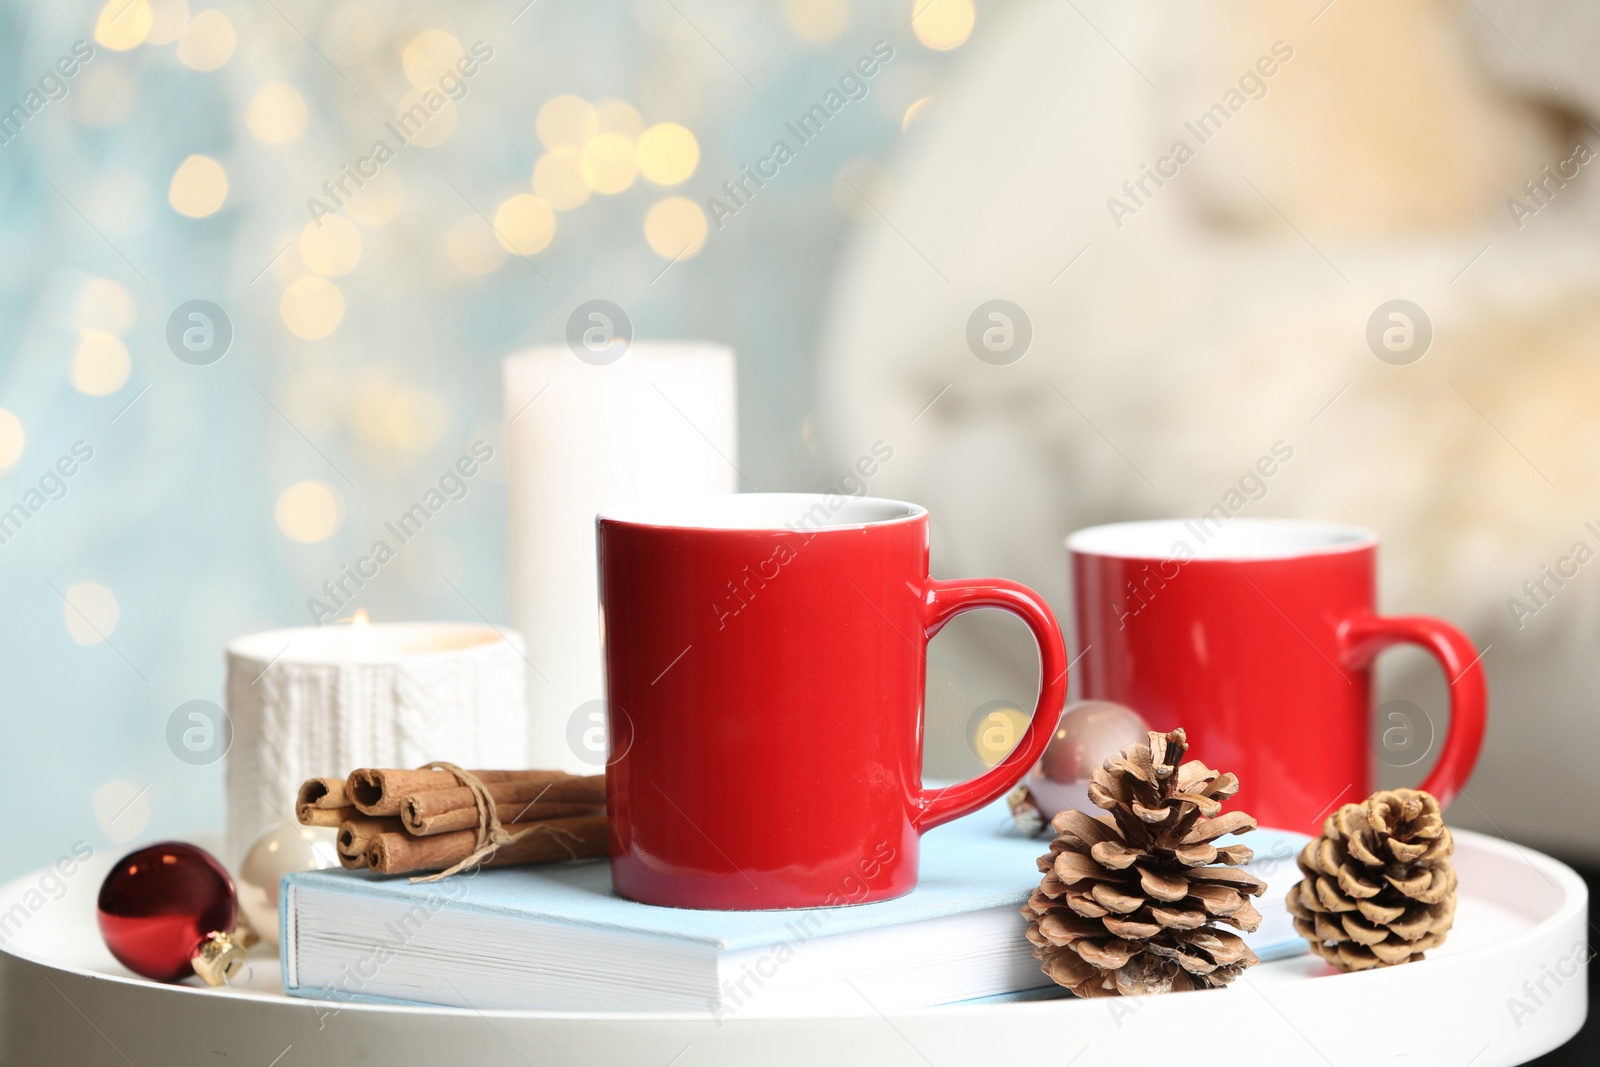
218	958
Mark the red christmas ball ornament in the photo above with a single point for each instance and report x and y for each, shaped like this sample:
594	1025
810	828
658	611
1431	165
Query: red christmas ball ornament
168	911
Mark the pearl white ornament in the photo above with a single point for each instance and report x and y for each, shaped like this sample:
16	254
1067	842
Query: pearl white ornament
278	852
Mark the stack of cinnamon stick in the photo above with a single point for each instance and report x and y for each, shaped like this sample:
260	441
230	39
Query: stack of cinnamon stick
400	821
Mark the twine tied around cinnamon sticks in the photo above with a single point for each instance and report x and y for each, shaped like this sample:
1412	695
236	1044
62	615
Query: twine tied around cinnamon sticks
443	818
492	834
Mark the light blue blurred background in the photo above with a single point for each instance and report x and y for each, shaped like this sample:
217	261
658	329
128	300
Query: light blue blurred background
204	512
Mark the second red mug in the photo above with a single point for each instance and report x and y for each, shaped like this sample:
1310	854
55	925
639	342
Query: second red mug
765	658
1258	636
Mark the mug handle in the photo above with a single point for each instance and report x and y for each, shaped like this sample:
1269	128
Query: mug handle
942	602
1363	637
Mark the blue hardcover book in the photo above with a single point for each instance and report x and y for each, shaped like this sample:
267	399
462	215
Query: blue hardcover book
555	937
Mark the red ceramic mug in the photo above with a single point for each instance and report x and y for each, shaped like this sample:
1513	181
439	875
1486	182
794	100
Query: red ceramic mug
1257	636
765	658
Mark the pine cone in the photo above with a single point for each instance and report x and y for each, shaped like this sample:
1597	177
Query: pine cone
1025	812
1130	900
1379	888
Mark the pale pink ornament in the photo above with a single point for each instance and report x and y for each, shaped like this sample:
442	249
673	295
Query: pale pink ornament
1089	733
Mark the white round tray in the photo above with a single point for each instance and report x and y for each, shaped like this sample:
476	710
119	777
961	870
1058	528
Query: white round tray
1508	986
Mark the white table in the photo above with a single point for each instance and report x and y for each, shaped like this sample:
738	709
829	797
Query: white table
1522	918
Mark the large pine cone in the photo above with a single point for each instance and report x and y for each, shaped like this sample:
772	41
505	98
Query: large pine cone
1379	888
1130	900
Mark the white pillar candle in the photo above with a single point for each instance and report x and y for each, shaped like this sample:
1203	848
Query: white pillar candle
320	702
660	421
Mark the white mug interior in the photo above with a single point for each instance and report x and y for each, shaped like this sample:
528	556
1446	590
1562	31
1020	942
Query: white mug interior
1214	539
765	511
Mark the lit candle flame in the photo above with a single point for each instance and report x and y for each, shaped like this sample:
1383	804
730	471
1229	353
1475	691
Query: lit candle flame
360	619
